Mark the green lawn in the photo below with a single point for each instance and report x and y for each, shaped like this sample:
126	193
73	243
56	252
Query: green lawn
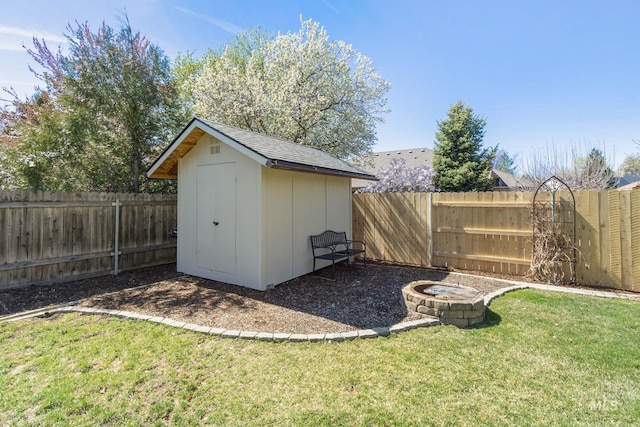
542	359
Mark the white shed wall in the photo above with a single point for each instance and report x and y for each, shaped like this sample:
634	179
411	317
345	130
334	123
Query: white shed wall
297	205
247	269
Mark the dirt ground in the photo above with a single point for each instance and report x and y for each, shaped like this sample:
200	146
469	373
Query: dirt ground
360	298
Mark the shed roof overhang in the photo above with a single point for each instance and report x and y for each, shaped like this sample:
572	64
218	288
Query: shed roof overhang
166	165
281	164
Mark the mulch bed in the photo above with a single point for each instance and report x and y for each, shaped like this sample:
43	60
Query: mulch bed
360	298
32	297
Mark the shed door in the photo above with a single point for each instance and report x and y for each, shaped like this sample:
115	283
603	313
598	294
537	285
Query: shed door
216	217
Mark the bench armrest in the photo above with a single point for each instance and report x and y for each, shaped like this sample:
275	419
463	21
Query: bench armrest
361	242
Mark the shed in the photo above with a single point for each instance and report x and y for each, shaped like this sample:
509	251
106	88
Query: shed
247	203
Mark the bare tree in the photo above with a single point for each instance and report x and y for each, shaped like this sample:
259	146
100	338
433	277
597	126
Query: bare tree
580	168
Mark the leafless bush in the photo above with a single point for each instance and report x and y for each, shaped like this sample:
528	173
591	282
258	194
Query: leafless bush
551	249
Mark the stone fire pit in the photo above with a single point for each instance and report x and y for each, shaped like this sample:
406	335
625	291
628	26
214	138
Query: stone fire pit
456	305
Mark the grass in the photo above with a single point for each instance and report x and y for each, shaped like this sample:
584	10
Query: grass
542	359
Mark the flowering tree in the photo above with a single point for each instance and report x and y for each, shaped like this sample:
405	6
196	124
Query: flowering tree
106	108
301	87
399	178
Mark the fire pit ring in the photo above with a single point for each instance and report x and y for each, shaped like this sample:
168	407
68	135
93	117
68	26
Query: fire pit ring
456	305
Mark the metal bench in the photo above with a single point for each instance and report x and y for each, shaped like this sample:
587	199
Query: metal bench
334	246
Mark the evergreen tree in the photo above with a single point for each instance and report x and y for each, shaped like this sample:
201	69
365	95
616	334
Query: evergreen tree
595	173
630	165
460	161
504	162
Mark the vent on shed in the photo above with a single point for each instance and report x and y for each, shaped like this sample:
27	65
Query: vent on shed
215	148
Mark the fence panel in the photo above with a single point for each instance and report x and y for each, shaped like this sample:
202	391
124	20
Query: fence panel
635	240
55	237
609	238
492	232
482	231
394	226
52	237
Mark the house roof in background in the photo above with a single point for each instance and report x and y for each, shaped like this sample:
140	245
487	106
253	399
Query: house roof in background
635	185
269	151
628	179
512	181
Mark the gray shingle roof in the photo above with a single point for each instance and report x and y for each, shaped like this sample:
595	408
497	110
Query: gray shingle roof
285	153
269	151
509	180
630	178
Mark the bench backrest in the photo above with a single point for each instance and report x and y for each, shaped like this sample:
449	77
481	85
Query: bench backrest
328	238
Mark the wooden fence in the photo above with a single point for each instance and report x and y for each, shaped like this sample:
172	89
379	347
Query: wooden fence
57	237
492	232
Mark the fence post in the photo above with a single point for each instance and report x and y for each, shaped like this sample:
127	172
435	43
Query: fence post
430	231
116	249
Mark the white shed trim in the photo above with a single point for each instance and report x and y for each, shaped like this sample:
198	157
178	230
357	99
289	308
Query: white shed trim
196	123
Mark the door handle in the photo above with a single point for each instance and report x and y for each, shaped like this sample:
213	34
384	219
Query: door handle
216	223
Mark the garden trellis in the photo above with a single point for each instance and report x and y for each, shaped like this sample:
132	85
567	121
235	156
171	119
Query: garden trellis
553	220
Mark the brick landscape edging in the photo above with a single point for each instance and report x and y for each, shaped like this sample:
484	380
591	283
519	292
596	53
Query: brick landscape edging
322	337
248	335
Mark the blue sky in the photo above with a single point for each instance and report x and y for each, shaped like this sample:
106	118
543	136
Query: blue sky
542	73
